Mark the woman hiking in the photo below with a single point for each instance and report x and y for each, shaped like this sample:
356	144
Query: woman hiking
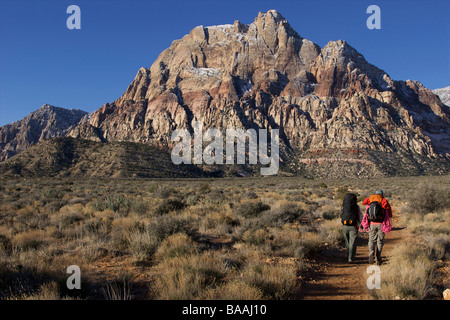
350	218
376	222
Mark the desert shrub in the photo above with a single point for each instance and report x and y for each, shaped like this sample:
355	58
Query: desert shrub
53	205
340	193
332	214
251	209
91	249
233	290
5	244
274	218
409	275
256	237
140	206
204	188
30	240
51	193
186	277
32	219
192	199
142	244
69	218
169	205
47	291
119	288
115	203
309	245
331	231
166	225
286	213
437	246
176	245
275	281
251	195
163	192
430	223
216	196
428	198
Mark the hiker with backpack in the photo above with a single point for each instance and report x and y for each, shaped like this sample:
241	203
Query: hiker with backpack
350	217
376	222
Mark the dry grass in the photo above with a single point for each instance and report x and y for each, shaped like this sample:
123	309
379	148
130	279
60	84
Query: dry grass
186	276
193	239
233	290
409	275
417	270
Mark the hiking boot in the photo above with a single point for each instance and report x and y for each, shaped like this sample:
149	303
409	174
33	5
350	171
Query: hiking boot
379	262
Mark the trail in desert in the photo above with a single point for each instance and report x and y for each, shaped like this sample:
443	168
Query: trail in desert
332	278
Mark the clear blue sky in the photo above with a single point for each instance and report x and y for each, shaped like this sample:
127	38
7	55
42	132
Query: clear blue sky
41	61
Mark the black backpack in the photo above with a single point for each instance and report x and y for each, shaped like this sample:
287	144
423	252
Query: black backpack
376	212
349	216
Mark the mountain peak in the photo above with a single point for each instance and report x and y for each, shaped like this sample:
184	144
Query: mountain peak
46	122
53	108
271	14
328	102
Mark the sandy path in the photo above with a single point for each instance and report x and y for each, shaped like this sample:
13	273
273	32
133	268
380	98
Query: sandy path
332	278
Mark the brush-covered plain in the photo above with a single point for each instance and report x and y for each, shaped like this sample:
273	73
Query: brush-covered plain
225	238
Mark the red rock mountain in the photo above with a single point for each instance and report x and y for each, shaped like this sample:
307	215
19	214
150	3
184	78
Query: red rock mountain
337	114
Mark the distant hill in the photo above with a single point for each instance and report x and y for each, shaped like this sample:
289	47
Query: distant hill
45	123
65	156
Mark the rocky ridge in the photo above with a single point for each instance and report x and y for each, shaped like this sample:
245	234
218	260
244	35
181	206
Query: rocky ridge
332	107
264	75
44	123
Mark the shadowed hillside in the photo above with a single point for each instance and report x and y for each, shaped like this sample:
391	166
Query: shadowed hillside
60	157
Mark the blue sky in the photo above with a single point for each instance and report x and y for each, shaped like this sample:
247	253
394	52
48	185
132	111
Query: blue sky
41	61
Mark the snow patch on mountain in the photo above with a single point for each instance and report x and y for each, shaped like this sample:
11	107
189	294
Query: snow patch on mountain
443	94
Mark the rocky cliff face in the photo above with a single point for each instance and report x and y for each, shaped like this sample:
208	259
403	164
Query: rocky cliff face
45	123
264	75
332	107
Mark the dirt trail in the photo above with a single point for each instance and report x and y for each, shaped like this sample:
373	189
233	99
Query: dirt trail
333	278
